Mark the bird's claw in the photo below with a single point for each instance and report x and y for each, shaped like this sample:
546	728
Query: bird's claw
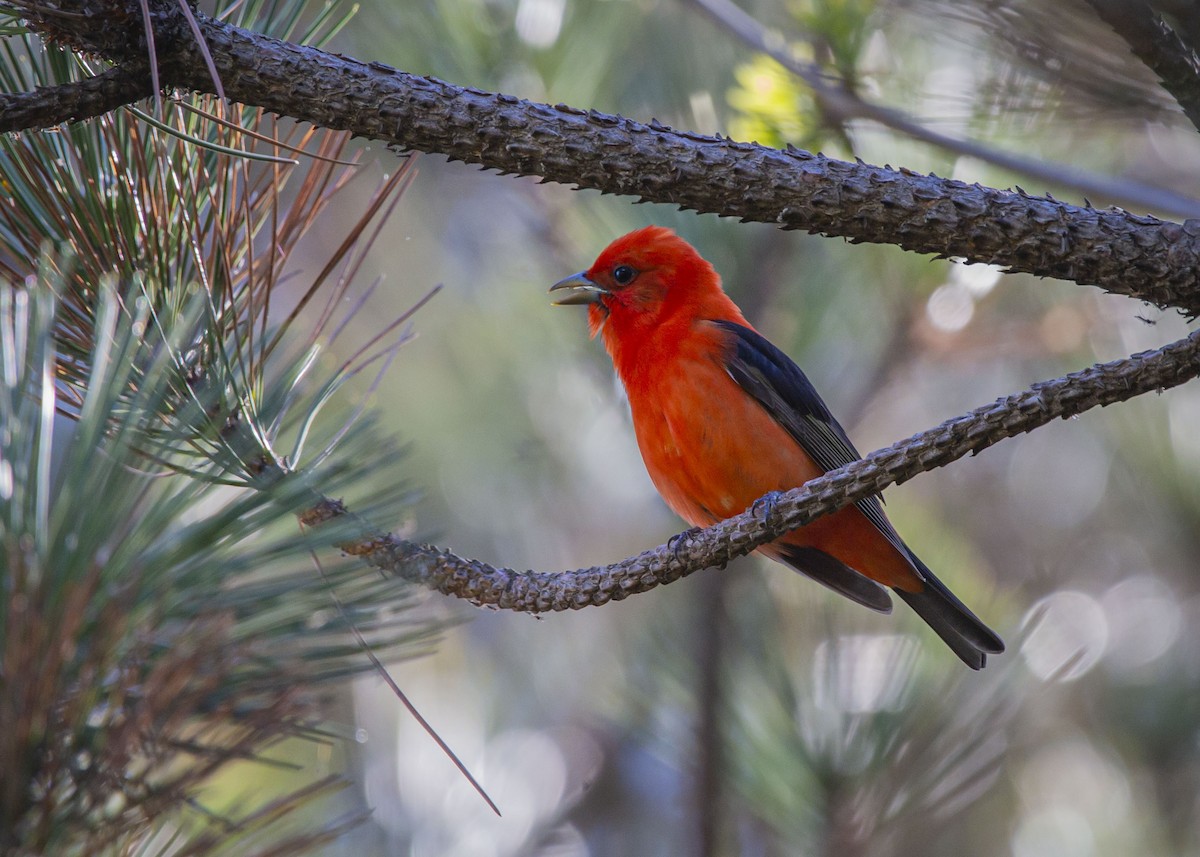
764	506
677	540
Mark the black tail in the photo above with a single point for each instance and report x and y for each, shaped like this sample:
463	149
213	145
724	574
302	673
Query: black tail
961	629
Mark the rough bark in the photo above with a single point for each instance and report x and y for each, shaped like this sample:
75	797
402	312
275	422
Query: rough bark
1142	257
47	106
539	592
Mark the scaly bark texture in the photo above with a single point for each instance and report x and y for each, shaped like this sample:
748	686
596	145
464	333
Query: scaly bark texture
537	592
1141	257
70	102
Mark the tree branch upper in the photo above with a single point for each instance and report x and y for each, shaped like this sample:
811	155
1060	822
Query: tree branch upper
1139	256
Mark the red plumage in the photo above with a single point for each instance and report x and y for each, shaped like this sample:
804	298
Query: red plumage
722	417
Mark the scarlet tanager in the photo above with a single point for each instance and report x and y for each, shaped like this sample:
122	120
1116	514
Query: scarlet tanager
723	417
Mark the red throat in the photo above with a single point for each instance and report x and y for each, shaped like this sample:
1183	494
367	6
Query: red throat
597	313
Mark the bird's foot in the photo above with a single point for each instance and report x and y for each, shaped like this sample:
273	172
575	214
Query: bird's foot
677	541
764	506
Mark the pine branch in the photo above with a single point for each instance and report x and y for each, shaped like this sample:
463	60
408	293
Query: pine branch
1142	257
48	106
1158	46
178	626
535	592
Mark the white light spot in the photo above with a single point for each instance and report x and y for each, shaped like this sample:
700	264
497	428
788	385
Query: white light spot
1073	774
950	307
862	673
539	21
1144	620
1062	832
976	279
1070	636
704	112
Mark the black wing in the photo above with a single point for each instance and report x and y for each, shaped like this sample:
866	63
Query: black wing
779	385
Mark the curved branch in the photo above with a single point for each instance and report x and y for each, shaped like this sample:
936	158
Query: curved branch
1142	257
1138	256
536	592
48	106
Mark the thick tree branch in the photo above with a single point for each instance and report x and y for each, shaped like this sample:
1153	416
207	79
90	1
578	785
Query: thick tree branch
1142	257
1158	46
844	104
537	592
48	106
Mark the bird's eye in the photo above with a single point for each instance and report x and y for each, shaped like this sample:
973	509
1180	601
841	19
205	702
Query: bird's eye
623	274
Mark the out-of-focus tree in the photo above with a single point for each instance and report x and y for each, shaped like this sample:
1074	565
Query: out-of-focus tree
746	713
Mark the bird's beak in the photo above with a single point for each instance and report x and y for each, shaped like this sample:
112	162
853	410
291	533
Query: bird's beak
579	290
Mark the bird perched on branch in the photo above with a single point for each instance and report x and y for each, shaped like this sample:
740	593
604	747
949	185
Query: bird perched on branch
723	418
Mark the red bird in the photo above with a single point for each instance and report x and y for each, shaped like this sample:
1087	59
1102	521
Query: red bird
723	417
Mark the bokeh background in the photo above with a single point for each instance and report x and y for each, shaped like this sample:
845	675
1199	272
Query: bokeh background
748	711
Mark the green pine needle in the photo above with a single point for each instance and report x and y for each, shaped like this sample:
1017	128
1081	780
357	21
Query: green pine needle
163	614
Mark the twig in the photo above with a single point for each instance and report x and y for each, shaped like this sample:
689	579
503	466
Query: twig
843	103
416	715
536	592
151	55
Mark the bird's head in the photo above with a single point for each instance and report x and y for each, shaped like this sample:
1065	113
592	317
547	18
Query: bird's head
640	280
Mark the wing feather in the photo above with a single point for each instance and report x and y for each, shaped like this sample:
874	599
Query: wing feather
781	387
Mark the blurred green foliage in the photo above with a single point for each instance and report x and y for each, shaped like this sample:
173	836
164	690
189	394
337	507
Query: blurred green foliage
773	107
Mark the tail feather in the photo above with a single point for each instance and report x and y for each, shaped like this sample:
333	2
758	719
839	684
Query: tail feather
833	573
953	621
